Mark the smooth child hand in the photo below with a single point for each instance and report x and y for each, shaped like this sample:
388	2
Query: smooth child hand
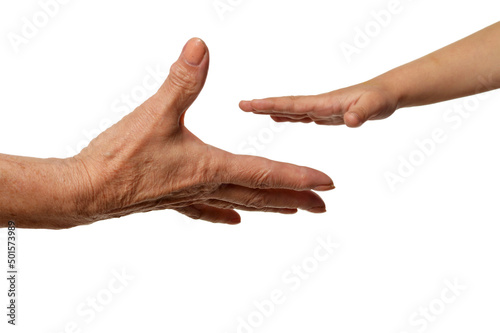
351	106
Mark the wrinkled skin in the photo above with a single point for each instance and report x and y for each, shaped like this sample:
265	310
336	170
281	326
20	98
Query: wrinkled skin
151	161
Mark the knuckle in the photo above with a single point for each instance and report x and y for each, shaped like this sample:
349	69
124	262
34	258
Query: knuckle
262	176
256	200
301	178
181	78
291	101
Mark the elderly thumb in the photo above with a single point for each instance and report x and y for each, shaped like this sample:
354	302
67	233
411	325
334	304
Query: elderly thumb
186	78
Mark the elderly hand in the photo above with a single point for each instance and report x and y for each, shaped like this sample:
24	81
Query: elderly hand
151	161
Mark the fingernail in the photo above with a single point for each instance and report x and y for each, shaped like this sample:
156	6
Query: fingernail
324	187
194	52
236	220
317	210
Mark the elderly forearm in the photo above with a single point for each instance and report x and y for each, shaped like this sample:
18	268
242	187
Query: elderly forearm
38	193
467	67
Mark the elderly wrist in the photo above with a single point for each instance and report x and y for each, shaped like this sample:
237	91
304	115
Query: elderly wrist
81	190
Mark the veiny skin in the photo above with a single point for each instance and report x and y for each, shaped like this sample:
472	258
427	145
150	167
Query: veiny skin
151	161
467	67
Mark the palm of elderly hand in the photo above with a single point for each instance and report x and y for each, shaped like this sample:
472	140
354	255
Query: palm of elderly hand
351	106
151	161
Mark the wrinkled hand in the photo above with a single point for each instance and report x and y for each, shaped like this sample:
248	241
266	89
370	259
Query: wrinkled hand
151	161
351	106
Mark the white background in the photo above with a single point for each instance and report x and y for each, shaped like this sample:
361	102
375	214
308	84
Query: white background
397	247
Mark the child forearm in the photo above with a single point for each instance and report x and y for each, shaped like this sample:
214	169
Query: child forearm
467	67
